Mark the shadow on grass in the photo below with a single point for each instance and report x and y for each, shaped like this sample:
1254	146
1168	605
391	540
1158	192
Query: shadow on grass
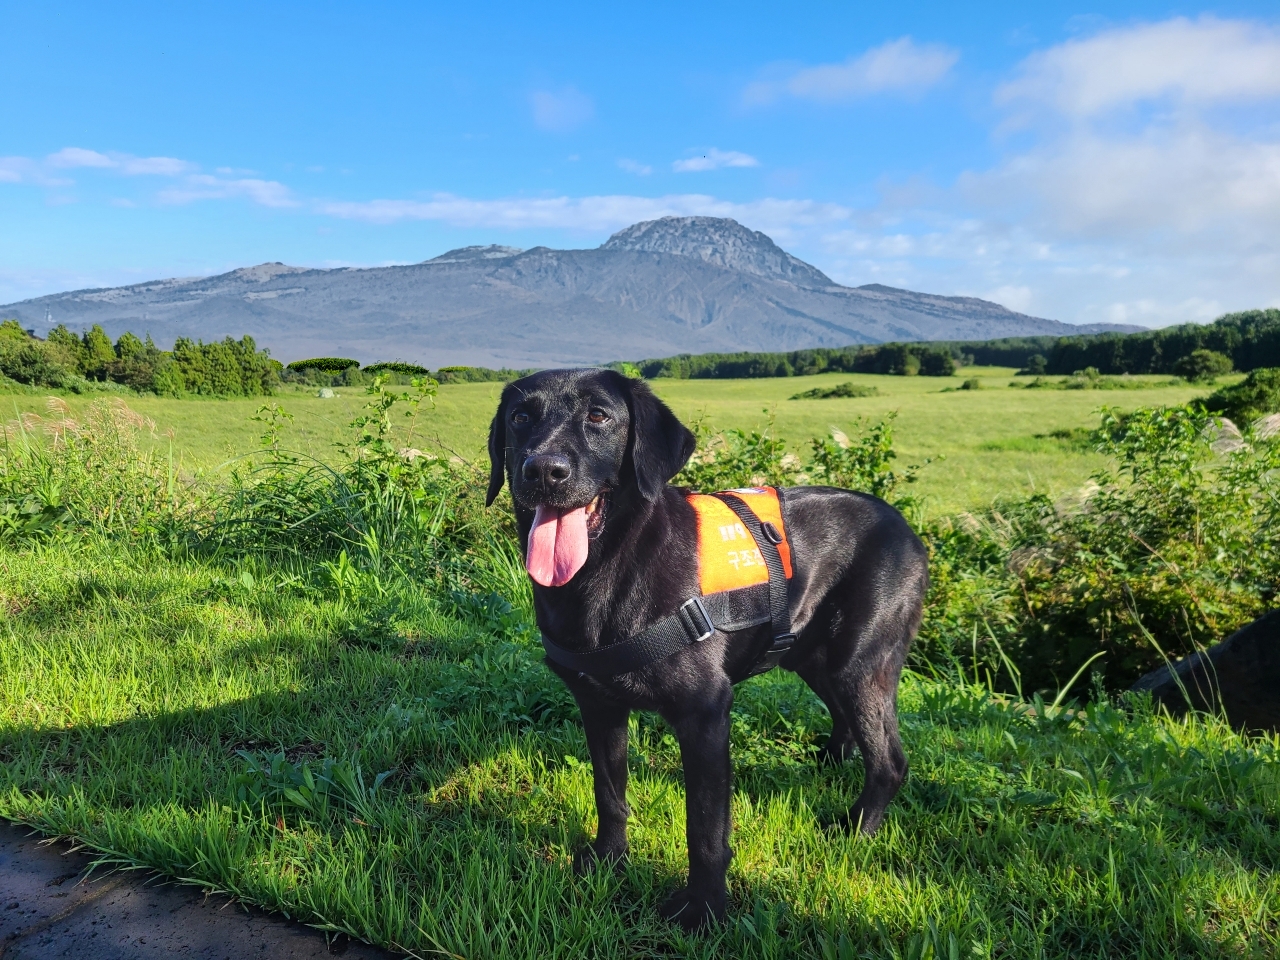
466	845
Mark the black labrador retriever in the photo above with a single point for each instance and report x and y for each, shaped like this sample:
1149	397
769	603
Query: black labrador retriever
611	547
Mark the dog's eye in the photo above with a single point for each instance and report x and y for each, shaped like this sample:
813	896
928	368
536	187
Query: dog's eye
519	417
596	415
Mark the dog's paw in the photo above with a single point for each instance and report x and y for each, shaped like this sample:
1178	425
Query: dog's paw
692	911
856	820
834	754
589	859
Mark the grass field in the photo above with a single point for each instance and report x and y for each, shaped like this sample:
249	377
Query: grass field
164	713
995	440
370	743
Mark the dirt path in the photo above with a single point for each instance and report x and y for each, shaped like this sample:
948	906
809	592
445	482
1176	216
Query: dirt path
49	908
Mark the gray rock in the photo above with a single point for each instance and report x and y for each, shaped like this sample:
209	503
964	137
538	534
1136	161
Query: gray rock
325	393
675	285
1240	675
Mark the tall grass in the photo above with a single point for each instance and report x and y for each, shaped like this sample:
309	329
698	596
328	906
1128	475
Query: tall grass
319	688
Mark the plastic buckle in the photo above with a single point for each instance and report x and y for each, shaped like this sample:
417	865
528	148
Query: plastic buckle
782	643
696	603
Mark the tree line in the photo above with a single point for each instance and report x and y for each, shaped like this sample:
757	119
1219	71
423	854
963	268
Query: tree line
226	368
904	359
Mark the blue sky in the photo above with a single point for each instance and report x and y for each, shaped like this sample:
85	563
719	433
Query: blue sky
1084	163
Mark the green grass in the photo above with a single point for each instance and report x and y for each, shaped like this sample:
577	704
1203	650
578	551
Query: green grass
136	690
987	436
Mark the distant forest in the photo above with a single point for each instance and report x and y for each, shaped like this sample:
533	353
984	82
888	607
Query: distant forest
1242	341
1250	339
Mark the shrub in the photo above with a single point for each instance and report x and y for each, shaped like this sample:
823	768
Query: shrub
1203	365
971	384
1168	550
1036	366
325	364
742	458
32	361
849	389
1255	396
397	366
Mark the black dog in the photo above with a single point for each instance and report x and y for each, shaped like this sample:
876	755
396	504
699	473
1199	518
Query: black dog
588	455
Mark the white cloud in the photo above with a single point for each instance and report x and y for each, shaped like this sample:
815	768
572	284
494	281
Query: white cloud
1139	192
203	186
1190	180
714	159
157	166
591	213
1194	61
71	157
898	66
634	166
12	168
561	110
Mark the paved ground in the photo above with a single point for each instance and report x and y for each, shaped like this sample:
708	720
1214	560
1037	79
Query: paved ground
50	908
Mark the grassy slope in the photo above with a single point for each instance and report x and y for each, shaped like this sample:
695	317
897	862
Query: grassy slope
987	436
128	685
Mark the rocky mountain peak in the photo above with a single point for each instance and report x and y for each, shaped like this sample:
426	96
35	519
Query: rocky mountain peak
721	241
492	251
264	272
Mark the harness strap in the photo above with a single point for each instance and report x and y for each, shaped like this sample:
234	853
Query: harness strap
699	617
767	538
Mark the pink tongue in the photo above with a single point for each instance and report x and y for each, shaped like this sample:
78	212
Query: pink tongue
557	545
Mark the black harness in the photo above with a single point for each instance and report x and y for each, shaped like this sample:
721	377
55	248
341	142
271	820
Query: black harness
699	617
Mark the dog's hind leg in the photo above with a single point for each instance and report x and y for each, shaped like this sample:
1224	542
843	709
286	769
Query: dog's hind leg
842	744
605	724
870	703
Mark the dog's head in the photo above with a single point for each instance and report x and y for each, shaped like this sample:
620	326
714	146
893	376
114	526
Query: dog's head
572	444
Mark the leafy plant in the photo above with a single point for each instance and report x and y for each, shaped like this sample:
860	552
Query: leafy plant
847	389
1255	396
1203	366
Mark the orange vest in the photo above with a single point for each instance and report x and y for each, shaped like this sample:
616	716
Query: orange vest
728	558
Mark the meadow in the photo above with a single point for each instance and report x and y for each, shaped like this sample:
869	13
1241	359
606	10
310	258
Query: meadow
316	685
995	441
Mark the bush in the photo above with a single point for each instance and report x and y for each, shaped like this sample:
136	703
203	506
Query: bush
1036	366
742	458
325	364
397	366
849	389
32	361
1169	550
1203	365
971	384
1255	396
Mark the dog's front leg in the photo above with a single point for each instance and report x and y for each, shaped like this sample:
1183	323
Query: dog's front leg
703	734
605	724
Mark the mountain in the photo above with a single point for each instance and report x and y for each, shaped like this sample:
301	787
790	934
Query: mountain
726	243
675	285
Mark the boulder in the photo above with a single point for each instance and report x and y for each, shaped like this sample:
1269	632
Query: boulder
1240	675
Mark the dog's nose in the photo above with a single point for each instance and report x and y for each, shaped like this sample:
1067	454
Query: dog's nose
549	469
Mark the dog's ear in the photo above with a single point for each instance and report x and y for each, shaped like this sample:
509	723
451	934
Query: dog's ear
660	444
498	449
